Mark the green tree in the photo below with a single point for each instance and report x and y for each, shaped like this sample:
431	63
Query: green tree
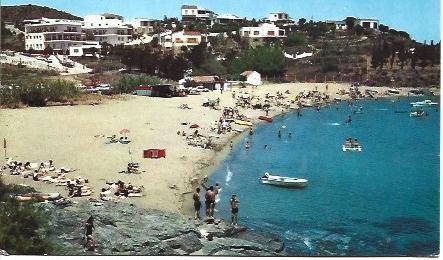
295	39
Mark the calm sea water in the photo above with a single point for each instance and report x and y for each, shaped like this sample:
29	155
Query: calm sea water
379	202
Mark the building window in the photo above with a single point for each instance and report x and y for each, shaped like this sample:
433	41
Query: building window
192	40
256	33
186	12
75	50
271	33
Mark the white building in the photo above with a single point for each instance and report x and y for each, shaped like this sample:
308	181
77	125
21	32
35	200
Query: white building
251	77
279	17
58	34
144	25
86	49
365	23
107	28
339	25
368	23
228	18
194	13
171	39
264	30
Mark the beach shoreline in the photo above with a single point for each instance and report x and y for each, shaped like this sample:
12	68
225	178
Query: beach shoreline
66	135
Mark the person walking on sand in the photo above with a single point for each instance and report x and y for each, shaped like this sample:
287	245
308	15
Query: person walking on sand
234	210
197	203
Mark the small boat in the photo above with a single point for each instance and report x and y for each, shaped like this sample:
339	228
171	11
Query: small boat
265	118
393	91
418	114
242	122
283	181
351	145
425	103
346	148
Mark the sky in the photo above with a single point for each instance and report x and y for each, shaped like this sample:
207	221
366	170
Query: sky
420	18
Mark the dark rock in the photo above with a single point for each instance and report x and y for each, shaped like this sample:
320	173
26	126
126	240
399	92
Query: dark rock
271	242
188	242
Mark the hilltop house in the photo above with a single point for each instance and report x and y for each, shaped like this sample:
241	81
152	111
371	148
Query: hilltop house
228	18
58	34
264	30
192	13
171	39
365	23
251	77
279	17
107	28
144	25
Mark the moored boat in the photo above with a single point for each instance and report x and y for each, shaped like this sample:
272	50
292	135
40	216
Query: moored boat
424	103
418	114
265	118
283	181
351	145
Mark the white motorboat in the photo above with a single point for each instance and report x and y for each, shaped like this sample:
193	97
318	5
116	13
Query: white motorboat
283	181
417	114
351	145
425	103
347	148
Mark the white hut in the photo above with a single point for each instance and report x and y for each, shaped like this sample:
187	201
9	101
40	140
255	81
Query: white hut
251	77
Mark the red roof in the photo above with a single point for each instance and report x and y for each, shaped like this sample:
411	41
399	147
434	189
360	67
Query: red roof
143	88
191	33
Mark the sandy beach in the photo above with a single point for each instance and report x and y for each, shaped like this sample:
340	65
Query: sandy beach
75	137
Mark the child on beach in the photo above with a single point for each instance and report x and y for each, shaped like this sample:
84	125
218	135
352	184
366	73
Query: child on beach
234	210
197	203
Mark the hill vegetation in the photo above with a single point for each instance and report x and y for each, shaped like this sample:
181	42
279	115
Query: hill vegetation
16	14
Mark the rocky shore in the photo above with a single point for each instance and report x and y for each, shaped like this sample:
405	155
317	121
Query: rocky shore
124	229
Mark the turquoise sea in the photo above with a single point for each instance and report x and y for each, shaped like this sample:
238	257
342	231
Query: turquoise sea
383	201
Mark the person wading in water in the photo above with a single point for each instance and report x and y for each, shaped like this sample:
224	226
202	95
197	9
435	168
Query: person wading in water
234	210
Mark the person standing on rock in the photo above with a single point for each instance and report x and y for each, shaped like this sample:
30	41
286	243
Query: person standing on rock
90	242
234	209
208	200
197	203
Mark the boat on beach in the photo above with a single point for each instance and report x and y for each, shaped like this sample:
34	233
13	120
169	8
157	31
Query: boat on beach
242	122
393	91
265	118
283	181
424	103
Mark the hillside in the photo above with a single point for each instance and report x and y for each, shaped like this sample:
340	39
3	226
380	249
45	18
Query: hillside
17	13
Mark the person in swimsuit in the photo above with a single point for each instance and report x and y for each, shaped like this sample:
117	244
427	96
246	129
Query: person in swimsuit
197	203
234	209
208	196
90	242
212	202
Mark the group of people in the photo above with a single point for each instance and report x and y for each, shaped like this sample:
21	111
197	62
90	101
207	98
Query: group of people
120	189
210	203
350	142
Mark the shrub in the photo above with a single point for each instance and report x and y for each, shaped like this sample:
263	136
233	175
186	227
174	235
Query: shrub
37	92
129	83
21	225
